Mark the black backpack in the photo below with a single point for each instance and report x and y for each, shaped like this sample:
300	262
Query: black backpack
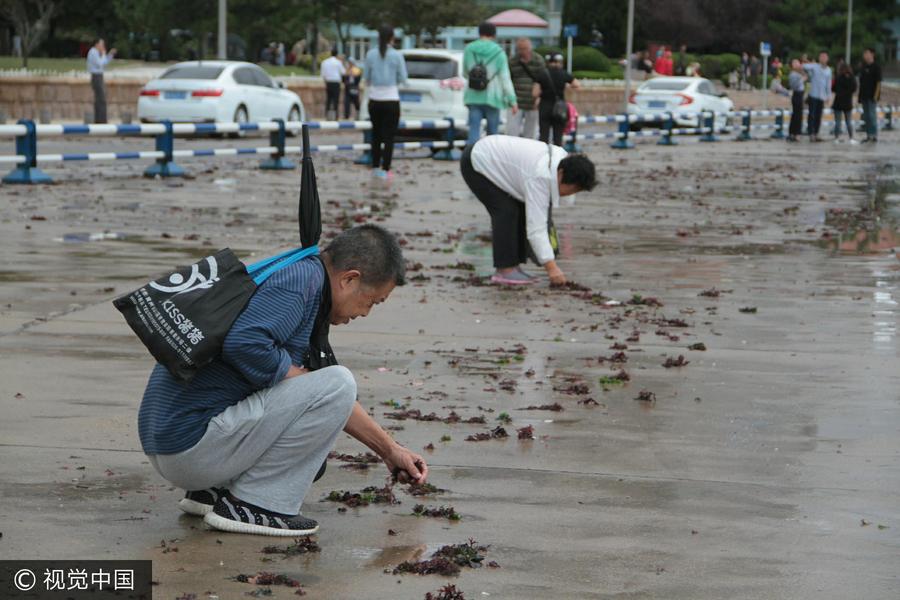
478	75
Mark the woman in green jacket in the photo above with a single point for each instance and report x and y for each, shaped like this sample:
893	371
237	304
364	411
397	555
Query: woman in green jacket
490	86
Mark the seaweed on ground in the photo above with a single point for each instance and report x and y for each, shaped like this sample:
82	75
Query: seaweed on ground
555	407
416	415
646	396
441	512
361	461
526	433
366	496
423	489
697	346
675	362
266	578
496	433
447	560
302	545
448	592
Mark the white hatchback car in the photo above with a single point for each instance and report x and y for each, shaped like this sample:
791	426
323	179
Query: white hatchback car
434	90
686	97
217	91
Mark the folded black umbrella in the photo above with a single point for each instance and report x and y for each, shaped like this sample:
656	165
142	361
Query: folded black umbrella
309	212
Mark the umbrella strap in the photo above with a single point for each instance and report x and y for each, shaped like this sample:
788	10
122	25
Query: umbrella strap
264	269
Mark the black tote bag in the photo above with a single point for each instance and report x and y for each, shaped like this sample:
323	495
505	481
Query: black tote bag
183	317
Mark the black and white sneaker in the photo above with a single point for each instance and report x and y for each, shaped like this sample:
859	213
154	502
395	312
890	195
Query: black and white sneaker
200	502
237	516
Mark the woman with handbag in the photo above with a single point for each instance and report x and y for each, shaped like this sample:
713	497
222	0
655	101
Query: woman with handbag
519	182
552	108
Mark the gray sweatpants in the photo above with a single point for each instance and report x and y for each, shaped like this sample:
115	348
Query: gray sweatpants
267	448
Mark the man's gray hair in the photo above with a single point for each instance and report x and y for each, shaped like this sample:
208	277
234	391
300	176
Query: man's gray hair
371	250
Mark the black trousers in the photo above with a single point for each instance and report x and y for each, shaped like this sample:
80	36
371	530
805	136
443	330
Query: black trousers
350	100
332	96
547	123
99	97
507	216
816	107
385	116
796	126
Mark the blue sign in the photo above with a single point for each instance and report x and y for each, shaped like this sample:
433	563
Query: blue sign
765	49
570	30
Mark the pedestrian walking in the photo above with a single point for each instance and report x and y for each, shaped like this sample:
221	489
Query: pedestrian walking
333	73
797	87
385	71
520	182
527	69
844	88
819	93
97	59
352	79
552	108
870	93
248	435
490	86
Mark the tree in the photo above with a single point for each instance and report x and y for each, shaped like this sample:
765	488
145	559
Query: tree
813	25
416	17
31	20
608	17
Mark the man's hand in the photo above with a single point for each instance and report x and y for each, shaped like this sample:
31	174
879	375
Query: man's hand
113	52
514	109
295	371
402	462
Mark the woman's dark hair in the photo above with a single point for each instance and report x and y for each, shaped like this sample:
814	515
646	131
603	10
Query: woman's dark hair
371	250
578	169
385	35
487	29
845	69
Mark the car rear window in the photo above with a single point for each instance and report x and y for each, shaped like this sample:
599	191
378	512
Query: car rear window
194	72
672	86
430	67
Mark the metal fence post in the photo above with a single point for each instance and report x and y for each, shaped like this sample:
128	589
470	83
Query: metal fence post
888	117
26	145
668	126
744	135
277	161
623	143
366	157
710	126
778	134
448	153
165	166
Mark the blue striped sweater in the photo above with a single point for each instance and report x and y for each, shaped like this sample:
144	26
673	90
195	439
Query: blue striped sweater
270	334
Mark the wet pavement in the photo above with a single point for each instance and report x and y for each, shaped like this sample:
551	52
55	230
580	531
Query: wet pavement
766	467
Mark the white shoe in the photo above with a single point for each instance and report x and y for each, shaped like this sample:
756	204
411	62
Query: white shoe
854	143
837	141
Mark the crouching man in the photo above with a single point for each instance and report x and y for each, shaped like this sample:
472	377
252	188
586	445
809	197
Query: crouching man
250	433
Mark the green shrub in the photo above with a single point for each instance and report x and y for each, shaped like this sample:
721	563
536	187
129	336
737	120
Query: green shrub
729	62
585	58
711	66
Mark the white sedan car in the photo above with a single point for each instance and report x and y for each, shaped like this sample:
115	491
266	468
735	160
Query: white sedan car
217	91
686	97
434	90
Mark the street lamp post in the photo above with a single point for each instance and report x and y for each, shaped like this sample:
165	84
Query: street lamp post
849	30
222	53
629	48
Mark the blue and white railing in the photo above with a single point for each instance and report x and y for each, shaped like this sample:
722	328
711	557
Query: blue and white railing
670	124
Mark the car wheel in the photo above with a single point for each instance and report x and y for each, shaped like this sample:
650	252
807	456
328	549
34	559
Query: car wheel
240	116
294	115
